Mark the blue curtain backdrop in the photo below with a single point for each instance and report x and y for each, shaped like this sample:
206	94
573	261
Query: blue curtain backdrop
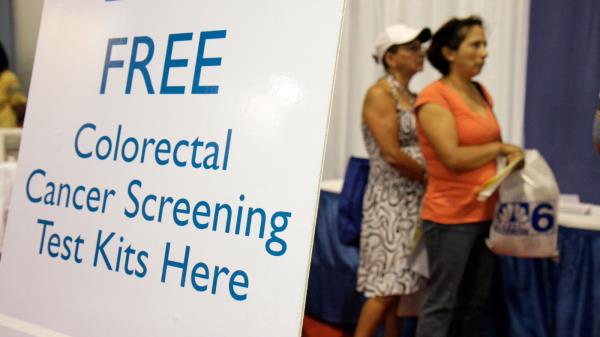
563	80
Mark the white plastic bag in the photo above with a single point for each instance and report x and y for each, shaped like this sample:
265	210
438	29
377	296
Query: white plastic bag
524	222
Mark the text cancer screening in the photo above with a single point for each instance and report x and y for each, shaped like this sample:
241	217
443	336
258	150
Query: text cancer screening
203	215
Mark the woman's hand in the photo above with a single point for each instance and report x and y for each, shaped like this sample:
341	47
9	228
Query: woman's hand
513	153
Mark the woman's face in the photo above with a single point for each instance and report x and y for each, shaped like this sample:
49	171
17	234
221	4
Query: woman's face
408	58
470	56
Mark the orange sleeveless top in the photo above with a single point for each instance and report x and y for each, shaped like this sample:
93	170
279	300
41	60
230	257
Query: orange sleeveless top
451	196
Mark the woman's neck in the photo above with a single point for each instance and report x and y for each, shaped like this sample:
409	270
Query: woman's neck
459	82
402	79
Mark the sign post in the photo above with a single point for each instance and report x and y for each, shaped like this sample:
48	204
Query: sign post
168	174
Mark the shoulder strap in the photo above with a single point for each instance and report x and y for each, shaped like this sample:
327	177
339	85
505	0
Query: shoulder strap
480	89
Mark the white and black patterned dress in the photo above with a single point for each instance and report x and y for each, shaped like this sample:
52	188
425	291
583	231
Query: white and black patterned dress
391	218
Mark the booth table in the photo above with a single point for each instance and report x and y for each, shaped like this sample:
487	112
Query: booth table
529	298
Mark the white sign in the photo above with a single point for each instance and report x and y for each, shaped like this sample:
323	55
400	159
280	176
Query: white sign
168	175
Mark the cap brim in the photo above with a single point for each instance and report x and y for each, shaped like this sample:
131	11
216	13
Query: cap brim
424	35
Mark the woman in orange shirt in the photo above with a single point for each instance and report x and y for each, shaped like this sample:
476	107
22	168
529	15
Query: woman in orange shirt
460	140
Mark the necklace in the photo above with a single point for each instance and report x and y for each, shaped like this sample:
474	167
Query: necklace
397	89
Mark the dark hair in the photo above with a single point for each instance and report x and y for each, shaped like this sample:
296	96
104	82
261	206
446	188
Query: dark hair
3	59
392	49
450	35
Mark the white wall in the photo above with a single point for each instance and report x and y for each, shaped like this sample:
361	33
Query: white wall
507	24
26	20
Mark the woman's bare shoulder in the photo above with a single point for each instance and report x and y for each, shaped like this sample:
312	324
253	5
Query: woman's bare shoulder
379	89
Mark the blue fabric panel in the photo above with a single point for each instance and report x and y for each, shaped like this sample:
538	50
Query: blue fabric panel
351	200
555	299
578	286
331	293
563	80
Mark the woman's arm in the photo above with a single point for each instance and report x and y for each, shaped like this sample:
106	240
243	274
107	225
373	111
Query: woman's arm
379	114
440	129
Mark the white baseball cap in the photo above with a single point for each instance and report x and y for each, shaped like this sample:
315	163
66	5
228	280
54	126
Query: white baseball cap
397	34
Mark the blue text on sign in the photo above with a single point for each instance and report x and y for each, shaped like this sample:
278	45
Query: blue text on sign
140	63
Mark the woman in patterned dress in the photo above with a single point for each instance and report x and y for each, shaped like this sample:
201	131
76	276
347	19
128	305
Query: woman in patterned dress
393	195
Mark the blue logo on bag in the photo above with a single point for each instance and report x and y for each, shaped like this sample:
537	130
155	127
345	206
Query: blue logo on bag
524	218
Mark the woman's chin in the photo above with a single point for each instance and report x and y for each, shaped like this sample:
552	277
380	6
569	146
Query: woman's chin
476	72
